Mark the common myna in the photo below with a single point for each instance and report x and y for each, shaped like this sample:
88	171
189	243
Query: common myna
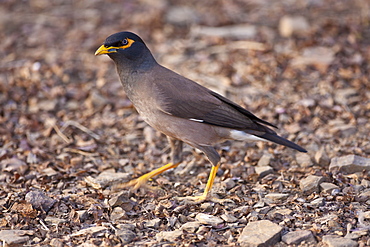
181	109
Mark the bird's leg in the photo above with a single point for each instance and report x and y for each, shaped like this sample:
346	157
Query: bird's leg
214	158
211	180
206	196
176	149
141	181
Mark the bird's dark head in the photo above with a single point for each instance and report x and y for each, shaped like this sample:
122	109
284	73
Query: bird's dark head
124	46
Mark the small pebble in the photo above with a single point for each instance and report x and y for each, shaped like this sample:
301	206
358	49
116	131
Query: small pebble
154	223
328	187
191	226
311	184
260	233
208	219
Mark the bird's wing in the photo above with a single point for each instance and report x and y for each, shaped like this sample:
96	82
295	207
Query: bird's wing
183	98
186	99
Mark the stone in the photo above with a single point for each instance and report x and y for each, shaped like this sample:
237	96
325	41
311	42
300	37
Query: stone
243	31
39	200
318	202
326	218
260	233
263	170
95	100
350	164
56	243
130	227
364	196
206	206
229	183
117	213
337	241
14	237
90	230
75	161
289	25
321	158
229	218
242	210
173	221
202	230
121	200
208	219
311	184
191	226
154	223
54	220
304	160
259	204
297	237
263	210
365	183
343	96
328	187
365	214
47	105
168	235
354	235
275	213
342	130
49	172
264	160
106	178
317	56
13	165
126	236
308	102
181	15
276	197
82	214
359	188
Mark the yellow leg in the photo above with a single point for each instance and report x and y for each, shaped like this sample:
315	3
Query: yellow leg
210	181
206	194
141	181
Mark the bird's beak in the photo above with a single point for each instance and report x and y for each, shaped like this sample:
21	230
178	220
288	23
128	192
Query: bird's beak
105	50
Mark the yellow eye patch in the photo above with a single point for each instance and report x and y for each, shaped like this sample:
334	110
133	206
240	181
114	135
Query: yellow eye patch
103	49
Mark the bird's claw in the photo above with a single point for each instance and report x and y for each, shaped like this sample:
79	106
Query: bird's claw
134	184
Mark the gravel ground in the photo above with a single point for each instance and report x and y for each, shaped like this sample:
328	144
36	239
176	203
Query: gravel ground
67	129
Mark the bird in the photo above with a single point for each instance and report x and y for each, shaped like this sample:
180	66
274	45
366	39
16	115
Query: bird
181	109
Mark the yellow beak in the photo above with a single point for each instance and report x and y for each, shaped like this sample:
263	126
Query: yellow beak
105	50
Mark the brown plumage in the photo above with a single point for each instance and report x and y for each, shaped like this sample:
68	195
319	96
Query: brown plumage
181	108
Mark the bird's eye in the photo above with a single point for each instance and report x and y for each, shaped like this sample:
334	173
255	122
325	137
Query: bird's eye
124	42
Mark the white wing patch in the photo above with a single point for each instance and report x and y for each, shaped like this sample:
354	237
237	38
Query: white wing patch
196	120
242	136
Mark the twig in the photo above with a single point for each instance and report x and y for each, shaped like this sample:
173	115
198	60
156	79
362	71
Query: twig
44	225
238	45
81	127
77	151
51	122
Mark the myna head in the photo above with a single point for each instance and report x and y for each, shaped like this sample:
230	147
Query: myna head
124	46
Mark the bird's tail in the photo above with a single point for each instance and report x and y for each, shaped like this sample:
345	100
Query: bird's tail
282	141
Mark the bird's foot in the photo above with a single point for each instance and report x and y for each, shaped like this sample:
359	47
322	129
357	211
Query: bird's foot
141	182
135	184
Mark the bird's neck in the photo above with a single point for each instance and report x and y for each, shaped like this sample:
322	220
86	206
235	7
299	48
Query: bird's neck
132	73
142	64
